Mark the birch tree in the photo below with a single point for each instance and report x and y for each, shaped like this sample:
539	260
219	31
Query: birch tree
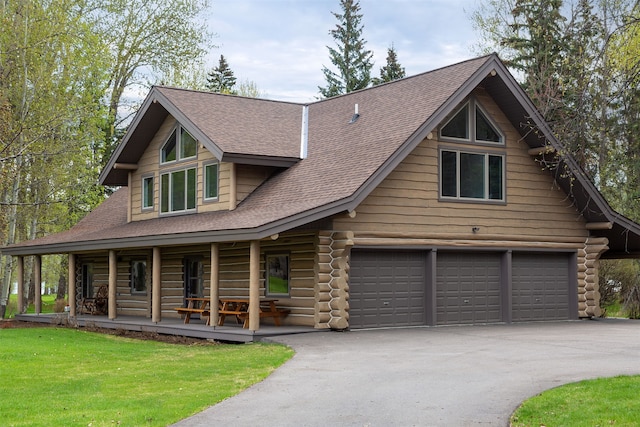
146	36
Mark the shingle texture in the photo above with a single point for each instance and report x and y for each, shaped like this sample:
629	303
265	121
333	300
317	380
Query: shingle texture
241	125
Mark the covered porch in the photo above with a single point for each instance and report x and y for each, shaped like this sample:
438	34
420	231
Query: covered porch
174	275
197	328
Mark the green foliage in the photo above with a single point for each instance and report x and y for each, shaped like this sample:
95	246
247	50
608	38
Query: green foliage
392	71
578	61
221	78
99	380
352	60
64	67
249	89
157	36
600	402
620	285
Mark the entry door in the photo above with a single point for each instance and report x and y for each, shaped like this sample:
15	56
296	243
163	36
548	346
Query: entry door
193	273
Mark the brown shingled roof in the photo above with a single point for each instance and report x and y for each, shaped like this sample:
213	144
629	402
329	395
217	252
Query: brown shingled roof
345	160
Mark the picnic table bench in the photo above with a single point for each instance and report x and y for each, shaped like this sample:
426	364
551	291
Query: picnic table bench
239	307
195	306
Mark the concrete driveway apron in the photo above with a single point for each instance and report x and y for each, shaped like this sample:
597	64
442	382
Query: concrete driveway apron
442	376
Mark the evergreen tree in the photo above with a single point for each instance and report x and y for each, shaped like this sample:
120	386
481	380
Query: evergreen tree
221	79
392	71
539	45
351	59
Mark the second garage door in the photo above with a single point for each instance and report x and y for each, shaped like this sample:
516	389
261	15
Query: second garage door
468	288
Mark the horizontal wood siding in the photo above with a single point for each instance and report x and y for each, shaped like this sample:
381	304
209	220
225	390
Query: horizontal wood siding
234	276
406	202
250	177
149	165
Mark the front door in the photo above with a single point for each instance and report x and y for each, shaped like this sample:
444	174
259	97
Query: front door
193	273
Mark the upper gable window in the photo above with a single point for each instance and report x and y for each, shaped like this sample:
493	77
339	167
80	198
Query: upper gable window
180	146
470	123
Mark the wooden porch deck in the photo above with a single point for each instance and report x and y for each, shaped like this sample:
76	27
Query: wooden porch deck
196	329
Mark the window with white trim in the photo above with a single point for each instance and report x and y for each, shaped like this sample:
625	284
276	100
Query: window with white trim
147	192
471	175
180	146
178	190
474	128
211	181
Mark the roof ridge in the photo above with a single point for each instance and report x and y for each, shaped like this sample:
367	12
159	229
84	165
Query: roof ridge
413	76
229	95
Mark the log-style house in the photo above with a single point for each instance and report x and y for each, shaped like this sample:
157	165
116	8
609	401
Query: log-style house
441	198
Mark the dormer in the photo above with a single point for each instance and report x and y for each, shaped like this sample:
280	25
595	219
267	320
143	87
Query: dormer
188	152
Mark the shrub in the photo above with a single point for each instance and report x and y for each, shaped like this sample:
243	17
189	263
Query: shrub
59	305
632	302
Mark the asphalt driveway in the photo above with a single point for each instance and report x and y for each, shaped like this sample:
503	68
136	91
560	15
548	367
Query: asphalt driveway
443	376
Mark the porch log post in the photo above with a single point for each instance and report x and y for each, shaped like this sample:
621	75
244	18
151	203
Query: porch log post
214	285
37	282
156	286
113	284
20	278
254	286
71	286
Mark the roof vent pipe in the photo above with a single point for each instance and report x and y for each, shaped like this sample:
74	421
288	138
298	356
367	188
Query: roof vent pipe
304	132
355	115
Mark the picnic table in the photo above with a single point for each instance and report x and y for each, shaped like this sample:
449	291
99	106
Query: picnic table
239	307
195	305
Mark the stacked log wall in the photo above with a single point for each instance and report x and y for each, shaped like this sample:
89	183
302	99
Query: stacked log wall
333	252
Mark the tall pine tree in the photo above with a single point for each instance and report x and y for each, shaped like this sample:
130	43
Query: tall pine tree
392	71
352	60
221	79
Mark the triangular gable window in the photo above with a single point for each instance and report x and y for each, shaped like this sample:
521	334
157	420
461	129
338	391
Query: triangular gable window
179	146
459	126
484	129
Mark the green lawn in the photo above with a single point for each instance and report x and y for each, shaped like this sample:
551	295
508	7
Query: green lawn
48	304
600	402
58	376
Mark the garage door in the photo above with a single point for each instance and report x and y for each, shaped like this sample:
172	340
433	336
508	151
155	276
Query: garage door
540	287
386	288
468	288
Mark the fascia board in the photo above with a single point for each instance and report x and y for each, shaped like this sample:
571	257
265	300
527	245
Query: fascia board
125	140
195	131
569	160
248	159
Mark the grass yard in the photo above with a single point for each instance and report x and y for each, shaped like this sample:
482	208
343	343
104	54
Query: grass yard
48	304
70	377
600	402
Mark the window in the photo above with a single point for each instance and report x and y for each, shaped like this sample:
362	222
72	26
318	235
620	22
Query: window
138	276
211	181
471	175
180	146
147	192
277	272
459	126
178	191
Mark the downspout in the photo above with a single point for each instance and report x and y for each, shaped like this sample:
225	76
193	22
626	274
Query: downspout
304	132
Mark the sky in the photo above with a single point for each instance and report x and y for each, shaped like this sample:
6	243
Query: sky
281	45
